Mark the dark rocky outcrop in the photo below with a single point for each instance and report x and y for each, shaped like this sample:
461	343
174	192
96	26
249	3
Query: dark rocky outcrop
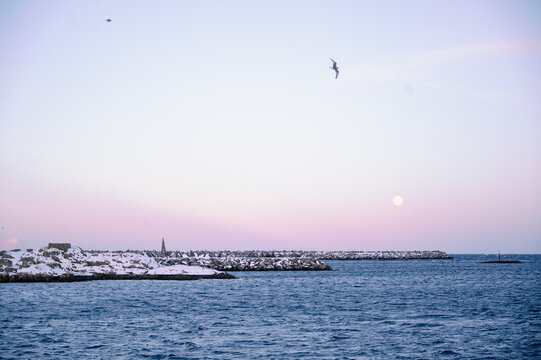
72	278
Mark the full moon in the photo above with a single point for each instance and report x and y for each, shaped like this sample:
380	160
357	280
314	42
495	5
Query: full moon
398	200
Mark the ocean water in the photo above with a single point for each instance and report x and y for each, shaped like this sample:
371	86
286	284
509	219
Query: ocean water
363	309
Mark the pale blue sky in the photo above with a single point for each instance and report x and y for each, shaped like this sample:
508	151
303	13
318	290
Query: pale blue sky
225	115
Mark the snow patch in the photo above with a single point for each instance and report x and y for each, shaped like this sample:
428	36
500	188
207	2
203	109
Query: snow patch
75	261
182	269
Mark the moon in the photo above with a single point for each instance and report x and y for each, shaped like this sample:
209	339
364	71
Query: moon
398	200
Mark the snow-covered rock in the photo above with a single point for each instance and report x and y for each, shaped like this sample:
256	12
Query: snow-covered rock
263	260
83	264
241	262
182	269
75	263
381	255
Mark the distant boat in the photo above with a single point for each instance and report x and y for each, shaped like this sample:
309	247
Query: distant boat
500	261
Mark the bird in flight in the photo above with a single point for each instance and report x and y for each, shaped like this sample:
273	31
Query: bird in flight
335	68
108	20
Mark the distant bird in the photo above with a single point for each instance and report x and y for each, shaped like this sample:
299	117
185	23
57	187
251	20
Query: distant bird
108	20
335	68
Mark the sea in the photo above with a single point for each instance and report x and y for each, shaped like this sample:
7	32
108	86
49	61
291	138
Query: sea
417	309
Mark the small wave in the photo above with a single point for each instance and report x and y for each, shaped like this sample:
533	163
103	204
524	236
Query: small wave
190	346
448	352
426	324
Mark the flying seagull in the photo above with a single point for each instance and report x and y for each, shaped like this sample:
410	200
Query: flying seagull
108	20
335	68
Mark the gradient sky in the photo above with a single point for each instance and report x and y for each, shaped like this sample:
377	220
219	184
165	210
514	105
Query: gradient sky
219	125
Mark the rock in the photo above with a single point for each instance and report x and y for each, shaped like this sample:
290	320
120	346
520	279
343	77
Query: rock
5	262
77	265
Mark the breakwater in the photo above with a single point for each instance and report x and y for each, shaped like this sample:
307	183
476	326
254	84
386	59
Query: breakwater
276	260
75	264
244	261
382	255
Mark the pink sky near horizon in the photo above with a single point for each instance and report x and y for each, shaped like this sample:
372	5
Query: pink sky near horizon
104	222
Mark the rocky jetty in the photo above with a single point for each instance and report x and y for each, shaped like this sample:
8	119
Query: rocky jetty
381	255
75	264
258	260
277	260
244	260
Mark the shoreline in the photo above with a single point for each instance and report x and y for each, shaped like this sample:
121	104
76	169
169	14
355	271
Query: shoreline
29	278
75	264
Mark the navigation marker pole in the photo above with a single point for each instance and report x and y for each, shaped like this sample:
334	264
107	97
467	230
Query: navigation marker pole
164	252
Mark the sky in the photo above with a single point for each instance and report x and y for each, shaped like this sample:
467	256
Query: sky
220	125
